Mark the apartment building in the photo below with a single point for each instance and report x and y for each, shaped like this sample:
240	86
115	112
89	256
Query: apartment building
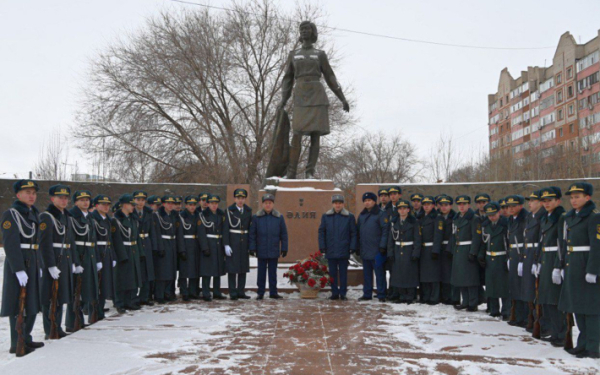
550	111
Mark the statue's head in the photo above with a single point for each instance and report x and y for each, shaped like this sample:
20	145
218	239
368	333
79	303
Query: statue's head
308	32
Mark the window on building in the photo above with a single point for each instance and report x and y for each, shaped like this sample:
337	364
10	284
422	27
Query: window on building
588	81
569	72
559	78
501	103
570	92
560	114
560	132
559	96
588	61
571	111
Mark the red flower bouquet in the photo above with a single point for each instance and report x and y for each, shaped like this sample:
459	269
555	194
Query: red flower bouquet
310	275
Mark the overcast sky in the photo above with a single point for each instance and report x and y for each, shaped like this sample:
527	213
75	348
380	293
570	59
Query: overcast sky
419	89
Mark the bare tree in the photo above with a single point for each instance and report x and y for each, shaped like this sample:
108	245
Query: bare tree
53	158
193	95
444	158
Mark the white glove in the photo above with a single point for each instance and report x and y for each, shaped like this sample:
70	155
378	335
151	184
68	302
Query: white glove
54	272
562	274
73	267
538	270
22	276
556	279
114	263
520	269
40	273
508	264
533	269
228	250
99	266
591	278
78	269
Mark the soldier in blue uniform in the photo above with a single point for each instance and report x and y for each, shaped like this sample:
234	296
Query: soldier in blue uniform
22	265
516	241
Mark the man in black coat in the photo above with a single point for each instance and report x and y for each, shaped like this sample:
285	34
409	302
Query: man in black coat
143	216
516	241
106	252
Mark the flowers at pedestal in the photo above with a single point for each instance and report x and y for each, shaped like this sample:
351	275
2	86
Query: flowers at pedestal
312	271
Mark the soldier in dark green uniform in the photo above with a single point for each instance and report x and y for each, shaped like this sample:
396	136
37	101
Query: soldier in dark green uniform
142	215
164	245
466	242
481	200
532	239
384	198
106	252
503	208
189	259
154	202
210	235
493	257
417	209
516	230
548	292
22	265
178	203
580	252
85	257
431	246
391	209
449	294
125	238
404	249
203	199
238	217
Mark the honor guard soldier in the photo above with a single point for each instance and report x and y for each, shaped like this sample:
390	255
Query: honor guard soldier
417	209
372	231
154	202
55	247
532	240
449	295
178	203
516	241
268	241
106	252
164	245
580	255
504	208
86	260
395	193
495	246
203	198
481	200
212	264
430	265
22	267
128	272
404	249
189	258
466	242
384	198
142	215
337	240
236	238
548	292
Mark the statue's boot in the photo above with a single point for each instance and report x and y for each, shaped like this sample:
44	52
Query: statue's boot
295	149
313	156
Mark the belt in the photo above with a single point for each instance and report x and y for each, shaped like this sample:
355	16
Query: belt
444	242
83	243
529	245
132	243
578	248
464	243
514	245
168	237
144	235
214	236
308	79
404	243
30	246
495	253
428	244
189	236
61	245
550	248
238	231
102	243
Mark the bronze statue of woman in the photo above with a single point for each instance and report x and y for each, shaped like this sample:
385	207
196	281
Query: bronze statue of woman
305	66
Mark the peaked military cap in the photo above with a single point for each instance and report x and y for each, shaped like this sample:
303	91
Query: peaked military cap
394	189
428	199
403	203
154	199
491	208
116	207
337	198
140	194
463	199
445	199
514	200
126	198
240	193
268	197
581	187
535	195
25	184
203	196
550	192
502	202
178	199
383	191
79	194
191	199
369	195
482	197
214	198
58	190
101	198
416	197
168	199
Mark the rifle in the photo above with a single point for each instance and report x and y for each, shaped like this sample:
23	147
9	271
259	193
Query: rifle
21	323
513	307
569	334
54	301
77	305
537	327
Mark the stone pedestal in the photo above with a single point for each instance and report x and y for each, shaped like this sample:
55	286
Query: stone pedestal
302	203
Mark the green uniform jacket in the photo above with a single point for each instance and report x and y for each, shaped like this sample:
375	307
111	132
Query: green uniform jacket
516	230
467	229
531	239
145	227
18	259
583	229
404	271
235	222
125	239
445	231
210	235
85	253
187	241
431	269
548	292
495	251
106	253
164	238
